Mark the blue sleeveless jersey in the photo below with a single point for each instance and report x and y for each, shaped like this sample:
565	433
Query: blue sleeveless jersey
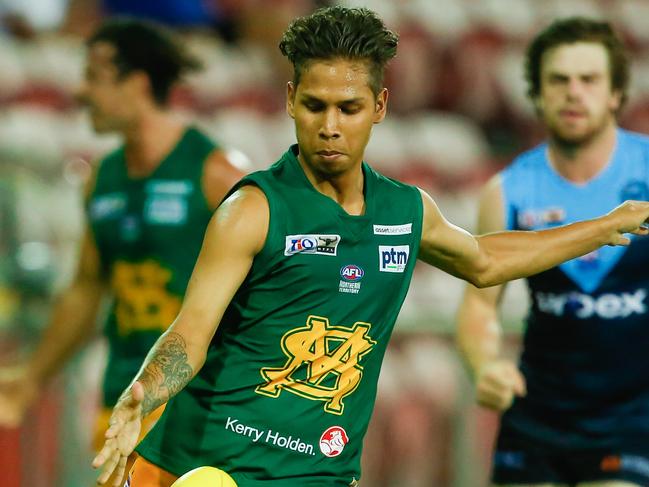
586	344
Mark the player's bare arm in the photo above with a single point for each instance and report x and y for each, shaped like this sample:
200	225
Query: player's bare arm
236	233
495	258
71	324
219	176
479	333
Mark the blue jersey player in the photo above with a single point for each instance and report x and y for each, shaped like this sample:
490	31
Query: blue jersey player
576	407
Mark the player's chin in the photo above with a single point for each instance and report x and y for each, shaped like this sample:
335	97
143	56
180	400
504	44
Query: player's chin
332	168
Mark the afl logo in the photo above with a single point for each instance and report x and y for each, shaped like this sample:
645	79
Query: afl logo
352	273
333	441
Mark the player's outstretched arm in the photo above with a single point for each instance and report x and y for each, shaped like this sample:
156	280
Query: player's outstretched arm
495	258
236	234
71	324
478	335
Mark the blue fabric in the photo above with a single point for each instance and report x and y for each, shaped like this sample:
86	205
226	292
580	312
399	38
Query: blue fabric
171	12
586	344
538	197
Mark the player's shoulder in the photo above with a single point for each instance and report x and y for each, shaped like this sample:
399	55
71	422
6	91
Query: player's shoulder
386	184
533	159
629	138
111	158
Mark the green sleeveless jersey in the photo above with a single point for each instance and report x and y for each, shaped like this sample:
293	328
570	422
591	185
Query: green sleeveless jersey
287	390
148	232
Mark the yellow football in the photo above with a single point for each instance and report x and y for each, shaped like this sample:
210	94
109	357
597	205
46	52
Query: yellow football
205	477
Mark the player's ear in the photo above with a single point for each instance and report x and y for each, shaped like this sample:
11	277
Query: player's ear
616	101
381	105
290	99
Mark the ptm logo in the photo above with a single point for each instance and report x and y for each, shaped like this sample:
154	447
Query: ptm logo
333	441
352	273
393	258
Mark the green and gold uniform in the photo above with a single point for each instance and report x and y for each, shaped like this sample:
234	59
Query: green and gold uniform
148	232
287	391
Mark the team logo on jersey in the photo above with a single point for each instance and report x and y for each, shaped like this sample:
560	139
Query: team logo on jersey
351	276
323	363
333	441
311	244
404	229
393	258
142	301
352	273
635	190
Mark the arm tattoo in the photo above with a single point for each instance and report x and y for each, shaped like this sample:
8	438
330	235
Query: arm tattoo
166	371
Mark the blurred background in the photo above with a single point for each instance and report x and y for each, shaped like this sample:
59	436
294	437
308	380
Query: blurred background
457	114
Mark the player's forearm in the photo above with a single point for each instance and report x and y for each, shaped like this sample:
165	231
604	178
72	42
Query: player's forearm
72	323
167	369
478	336
513	255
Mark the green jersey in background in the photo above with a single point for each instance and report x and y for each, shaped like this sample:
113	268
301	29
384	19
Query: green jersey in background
148	232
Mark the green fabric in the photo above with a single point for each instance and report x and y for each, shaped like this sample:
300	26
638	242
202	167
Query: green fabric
149	233
300	347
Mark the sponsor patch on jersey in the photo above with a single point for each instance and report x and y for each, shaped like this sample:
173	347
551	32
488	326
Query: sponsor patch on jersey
333	441
607	306
311	244
107	206
165	209
393	258
404	229
170	187
530	219
259	435
626	463
350	282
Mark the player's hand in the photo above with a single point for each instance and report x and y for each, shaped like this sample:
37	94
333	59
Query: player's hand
18	390
121	436
497	382
630	217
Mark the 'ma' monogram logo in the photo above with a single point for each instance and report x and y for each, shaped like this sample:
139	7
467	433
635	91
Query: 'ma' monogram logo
323	362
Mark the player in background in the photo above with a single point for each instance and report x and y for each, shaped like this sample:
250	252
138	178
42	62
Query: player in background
576	406
148	205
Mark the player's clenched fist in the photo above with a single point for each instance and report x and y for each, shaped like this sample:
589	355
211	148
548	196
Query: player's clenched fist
629	217
497	382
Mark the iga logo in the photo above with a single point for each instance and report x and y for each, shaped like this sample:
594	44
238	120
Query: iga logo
352	273
333	441
393	258
311	244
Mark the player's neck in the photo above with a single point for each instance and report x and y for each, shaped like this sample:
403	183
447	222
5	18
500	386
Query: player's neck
582	162
151	138
345	189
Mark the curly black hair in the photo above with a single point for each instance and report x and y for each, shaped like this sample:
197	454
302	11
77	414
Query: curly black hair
149	47
340	32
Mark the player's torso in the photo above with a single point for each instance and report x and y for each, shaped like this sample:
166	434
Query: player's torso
587	337
148	233
296	358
